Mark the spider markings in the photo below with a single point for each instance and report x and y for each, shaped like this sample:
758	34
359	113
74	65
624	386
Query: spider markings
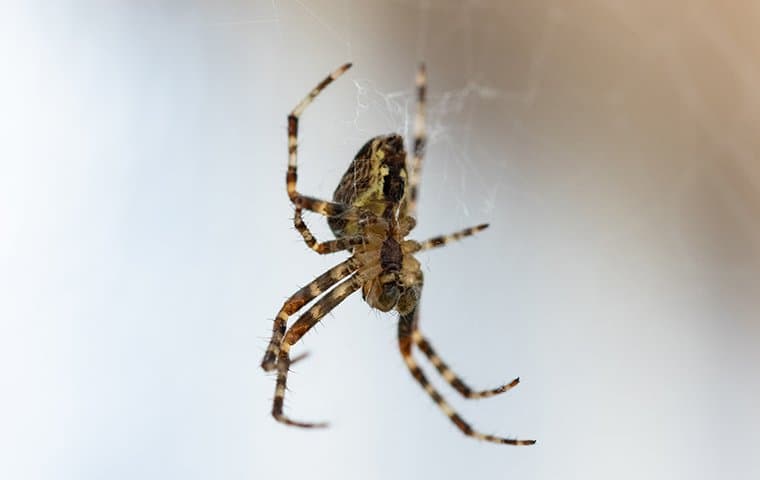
371	213
375	177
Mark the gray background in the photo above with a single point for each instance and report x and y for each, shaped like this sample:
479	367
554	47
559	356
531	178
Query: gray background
146	238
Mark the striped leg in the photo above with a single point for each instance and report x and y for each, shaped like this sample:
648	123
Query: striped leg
420	139
296	302
309	203
406	328
450	376
330	246
310	318
442	240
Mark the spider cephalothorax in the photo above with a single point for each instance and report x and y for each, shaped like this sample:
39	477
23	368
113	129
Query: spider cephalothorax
371	213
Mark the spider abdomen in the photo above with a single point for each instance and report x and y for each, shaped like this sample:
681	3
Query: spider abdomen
375	179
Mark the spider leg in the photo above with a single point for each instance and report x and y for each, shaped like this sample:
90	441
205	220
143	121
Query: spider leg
428	350
296	302
309	203
442	240
330	246
406	328
450	376
305	322
420	139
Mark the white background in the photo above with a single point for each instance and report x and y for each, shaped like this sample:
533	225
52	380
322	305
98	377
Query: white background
146	239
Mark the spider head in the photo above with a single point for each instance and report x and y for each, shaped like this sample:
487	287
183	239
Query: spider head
389	291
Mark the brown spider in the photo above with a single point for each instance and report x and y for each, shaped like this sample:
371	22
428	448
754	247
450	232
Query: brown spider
372	212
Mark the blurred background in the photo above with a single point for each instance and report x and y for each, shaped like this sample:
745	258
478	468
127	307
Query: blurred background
146	239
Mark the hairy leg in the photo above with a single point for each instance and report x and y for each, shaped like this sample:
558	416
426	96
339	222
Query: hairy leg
420	140
406	327
450	376
310	318
303	296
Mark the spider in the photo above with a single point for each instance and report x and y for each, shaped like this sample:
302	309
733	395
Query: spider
372	211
